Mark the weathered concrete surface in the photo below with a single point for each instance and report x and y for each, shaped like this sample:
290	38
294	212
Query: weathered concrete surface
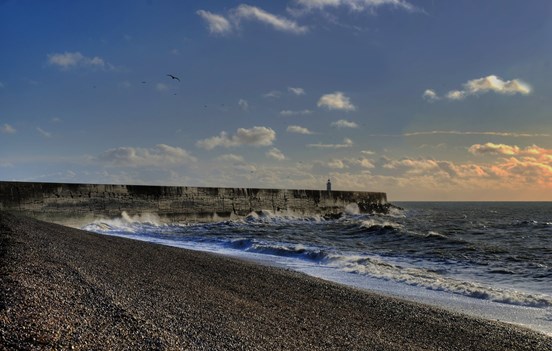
57	202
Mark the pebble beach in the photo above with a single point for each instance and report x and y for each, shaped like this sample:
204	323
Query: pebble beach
64	288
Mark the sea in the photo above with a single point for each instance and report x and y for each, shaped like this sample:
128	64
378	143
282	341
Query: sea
491	260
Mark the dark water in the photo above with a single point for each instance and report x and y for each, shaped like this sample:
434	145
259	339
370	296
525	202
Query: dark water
493	251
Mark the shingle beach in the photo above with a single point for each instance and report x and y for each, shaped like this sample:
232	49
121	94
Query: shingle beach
63	288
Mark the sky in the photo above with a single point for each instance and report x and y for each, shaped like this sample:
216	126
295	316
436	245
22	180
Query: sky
424	100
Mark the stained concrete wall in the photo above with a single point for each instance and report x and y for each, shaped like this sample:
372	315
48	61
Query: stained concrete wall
59	202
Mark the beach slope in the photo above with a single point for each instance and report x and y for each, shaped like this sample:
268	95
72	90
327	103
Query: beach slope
62	288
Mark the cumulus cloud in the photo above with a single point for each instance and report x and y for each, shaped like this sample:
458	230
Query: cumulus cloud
346	143
336	101
69	60
343	123
296	91
483	85
158	156
299	130
354	5
295	113
276	154
217	24
243	104
430	95
256	136
7	129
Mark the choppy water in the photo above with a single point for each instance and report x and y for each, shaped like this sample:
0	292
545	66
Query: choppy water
499	252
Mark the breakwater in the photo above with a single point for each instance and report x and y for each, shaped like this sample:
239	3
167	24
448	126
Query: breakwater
58	202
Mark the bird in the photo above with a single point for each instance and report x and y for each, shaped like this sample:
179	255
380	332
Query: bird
173	77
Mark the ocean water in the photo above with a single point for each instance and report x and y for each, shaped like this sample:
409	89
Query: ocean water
492	260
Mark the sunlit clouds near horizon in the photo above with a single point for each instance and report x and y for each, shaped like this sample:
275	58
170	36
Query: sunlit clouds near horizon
397	96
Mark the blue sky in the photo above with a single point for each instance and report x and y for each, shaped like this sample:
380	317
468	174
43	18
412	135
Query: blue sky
425	100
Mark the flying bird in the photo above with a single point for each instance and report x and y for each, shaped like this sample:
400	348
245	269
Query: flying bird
173	77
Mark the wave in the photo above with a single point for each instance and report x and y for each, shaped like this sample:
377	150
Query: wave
285	235
433	280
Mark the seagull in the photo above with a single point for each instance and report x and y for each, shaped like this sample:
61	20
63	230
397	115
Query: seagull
173	77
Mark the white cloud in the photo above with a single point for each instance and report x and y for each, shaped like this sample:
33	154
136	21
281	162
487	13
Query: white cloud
273	94
354	5
496	84
243	104
231	157
336	101
277	22
343	123
430	95
367	152
456	95
295	113
69	60
346	143
217	24
56	120
7	129
299	130
256	136
159	156
275	154
483	85
44	133
296	91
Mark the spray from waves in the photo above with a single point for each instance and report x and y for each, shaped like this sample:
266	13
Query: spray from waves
433	280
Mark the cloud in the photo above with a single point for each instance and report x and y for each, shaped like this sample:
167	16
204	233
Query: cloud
256	136
158	156
275	154
508	150
299	130
7	129
367	152
217	24
430	95
221	25
346	143
354	5
456	132
336	101
243	104
273	94
295	113
343	123
247	12
231	157
69	60
44	133
483	85
296	91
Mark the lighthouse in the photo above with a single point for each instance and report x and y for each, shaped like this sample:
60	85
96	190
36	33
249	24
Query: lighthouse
329	185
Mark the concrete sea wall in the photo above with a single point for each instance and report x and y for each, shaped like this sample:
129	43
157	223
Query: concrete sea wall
57	202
